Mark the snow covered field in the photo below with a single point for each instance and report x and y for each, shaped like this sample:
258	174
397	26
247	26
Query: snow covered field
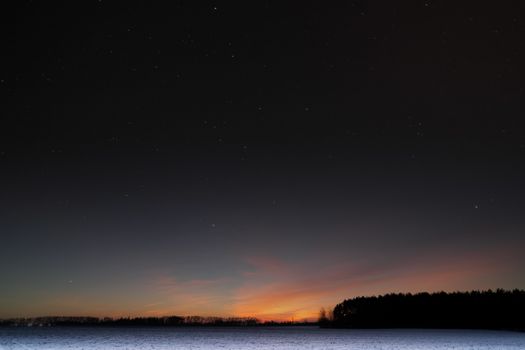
255	338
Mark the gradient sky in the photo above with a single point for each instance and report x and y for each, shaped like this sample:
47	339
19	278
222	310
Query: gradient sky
258	158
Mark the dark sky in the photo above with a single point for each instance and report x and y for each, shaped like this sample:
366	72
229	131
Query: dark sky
258	158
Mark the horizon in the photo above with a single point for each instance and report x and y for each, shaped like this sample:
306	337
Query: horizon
314	318
292	320
259	159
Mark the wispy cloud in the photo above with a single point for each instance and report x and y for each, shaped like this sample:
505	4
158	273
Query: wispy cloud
274	289
186	297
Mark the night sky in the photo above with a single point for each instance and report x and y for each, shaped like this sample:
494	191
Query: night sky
258	158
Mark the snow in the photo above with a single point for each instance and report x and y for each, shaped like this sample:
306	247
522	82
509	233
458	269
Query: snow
256	338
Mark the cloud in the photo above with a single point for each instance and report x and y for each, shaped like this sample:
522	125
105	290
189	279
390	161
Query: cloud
172	296
279	290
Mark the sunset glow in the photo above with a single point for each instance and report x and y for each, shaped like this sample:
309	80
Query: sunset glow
273	289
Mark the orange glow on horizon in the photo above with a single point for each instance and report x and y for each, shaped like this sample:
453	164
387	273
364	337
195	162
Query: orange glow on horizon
273	290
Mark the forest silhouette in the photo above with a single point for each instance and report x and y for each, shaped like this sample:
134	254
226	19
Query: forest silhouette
499	309
489	309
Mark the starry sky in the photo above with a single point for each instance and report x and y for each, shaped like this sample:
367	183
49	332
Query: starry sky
258	158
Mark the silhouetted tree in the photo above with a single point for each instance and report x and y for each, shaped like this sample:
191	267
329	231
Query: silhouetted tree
325	317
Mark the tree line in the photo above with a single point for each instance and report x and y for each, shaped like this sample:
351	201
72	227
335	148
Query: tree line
165	321
500	309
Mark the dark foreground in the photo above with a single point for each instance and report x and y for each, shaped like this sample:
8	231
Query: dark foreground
255	338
